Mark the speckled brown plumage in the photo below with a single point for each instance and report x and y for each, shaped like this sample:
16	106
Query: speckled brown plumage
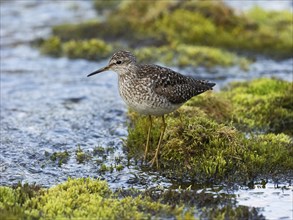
175	87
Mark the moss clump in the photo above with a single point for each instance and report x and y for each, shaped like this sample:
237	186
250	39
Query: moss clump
119	167
83	31
230	212
214	24
92	49
262	104
99	150
102	6
104	168
209	29
180	55
52	46
84	198
217	106
82	156
187	55
12	200
274	32
199	149
60	157
201	144
195	28
209	23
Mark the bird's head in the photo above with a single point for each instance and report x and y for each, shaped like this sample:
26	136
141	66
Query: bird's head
121	62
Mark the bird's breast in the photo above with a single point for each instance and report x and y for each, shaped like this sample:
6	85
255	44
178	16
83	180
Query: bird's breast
140	96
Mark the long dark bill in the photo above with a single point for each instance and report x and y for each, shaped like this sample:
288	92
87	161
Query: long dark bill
99	71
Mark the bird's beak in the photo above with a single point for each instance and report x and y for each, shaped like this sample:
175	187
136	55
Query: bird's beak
99	71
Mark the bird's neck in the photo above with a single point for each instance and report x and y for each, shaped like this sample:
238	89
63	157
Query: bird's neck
129	72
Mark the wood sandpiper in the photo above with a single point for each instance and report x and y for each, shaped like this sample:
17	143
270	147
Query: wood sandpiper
152	90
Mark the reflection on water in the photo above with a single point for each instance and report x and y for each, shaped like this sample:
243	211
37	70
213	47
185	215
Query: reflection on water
49	105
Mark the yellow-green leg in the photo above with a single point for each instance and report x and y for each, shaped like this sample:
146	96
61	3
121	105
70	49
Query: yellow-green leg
155	159
148	139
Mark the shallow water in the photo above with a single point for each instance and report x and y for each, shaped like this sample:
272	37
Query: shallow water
49	105
266	4
275	201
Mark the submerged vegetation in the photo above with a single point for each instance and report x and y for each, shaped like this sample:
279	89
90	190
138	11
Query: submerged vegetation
212	33
59	157
97	156
205	140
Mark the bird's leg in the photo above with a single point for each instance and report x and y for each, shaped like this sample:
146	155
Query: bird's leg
159	144
148	139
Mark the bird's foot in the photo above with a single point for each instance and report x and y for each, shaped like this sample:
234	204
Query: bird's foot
155	160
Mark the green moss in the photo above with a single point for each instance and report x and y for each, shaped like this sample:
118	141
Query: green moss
104	168
210	28
195	28
88	198
60	157
215	105
180	55
12	200
82	156
84	198
7	197
83	31
208	23
274	31
92	49
187	55
262	104
230	212
52	46
119	167
99	150
107	5
200	149
201	144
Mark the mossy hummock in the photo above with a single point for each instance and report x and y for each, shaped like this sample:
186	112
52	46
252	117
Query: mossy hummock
262	105
201	144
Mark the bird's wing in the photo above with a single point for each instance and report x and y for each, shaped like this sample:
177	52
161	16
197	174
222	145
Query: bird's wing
180	93
174	86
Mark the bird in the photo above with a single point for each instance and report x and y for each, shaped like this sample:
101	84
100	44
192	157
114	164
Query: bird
152	90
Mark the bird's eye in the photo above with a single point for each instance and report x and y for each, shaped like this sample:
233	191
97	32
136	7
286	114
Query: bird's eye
119	62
